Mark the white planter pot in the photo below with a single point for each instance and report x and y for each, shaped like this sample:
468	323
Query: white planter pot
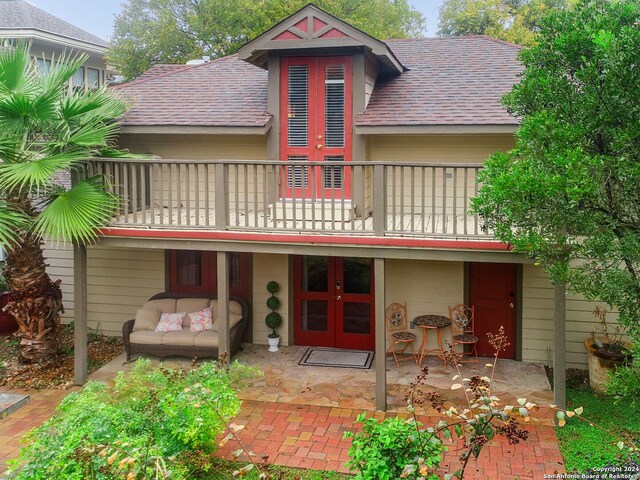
273	343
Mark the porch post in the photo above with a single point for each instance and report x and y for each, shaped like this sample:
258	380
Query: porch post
224	339
381	335
80	314
559	347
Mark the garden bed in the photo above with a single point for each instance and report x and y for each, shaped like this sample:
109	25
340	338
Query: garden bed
59	373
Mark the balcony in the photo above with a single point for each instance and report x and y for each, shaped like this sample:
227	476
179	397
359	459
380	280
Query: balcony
376	199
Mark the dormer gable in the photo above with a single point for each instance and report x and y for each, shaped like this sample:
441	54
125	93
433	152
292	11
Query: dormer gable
311	29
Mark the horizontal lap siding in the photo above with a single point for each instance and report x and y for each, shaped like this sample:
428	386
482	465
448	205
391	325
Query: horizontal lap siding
268	267
426	287
59	258
537	320
119	281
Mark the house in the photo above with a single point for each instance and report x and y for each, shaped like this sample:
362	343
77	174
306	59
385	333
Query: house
341	167
50	37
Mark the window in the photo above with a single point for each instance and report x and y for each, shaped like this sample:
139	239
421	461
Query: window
93	77
44	65
77	80
194	271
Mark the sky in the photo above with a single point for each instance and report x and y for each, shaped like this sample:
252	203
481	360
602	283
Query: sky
96	16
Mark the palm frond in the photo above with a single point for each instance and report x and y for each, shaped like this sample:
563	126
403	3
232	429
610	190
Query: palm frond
11	222
76	214
87	102
61	70
14	63
36	174
94	134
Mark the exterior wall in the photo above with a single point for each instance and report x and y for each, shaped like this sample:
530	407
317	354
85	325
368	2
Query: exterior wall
119	281
537	320
426	287
59	259
370	75
197	147
267	267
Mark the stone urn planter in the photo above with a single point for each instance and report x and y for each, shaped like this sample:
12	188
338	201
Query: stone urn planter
8	324
602	361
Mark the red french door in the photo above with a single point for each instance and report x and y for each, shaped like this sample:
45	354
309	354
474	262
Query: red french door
493	294
334	302
316	118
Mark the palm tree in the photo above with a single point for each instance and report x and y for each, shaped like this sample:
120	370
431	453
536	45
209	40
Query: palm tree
47	128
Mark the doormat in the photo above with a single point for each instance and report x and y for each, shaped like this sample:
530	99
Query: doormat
333	357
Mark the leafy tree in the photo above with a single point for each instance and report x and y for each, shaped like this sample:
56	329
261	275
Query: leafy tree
516	21
569	192
148	32
47	128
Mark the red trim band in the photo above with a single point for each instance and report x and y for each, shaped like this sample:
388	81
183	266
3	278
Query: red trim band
310	239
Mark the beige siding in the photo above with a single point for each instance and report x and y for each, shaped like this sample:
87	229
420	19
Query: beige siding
473	149
201	147
370	75
537	320
266	268
59	258
119	281
426	287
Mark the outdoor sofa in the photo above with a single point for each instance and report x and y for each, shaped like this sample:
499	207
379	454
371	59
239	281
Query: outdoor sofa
140	337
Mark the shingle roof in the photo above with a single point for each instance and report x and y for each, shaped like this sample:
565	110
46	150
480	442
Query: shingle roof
452	81
18	14
226	92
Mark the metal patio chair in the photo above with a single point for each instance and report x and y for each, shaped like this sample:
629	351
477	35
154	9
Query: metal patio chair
396	318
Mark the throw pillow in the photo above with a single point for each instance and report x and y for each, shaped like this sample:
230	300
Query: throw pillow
201	321
146	319
171	322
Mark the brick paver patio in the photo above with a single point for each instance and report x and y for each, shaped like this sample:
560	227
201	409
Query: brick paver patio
311	437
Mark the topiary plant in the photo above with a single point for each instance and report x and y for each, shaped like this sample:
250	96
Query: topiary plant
273	318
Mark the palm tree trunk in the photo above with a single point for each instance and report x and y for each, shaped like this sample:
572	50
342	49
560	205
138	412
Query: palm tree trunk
36	301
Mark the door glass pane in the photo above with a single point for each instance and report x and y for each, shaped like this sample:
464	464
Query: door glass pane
356	318
315	271
93	77
297	176
298	106
314	315
77	80
357	275
189	267
332	176
334	106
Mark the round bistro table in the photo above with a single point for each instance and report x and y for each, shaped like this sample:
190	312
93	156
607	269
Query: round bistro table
429	322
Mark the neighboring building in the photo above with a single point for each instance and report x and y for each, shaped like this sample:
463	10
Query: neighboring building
50	37
336	164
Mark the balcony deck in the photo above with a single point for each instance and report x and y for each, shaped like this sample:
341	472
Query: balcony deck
371	199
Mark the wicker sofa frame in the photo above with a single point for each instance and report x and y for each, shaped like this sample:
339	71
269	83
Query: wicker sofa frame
235	334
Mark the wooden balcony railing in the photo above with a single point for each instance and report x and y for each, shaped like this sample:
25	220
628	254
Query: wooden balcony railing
360	198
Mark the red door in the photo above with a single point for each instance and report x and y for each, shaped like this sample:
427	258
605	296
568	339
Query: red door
493	294
316	117
334	302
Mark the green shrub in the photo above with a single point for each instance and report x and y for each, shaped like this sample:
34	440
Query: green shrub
624	383
382	449
137	428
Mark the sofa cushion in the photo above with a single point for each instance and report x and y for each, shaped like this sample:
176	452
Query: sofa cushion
146	338
191	305
201	321
165	305
171	322
183	337
147	319
208	338
235	313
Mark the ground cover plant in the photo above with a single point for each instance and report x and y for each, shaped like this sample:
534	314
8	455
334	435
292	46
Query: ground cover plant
150	424
585	447
222	469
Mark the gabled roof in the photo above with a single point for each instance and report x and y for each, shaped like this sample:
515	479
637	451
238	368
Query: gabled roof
450	81
226	92
313	28
18	15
